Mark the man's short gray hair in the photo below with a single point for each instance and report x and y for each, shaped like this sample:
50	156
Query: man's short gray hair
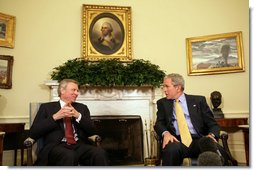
108	25
177	79
63	84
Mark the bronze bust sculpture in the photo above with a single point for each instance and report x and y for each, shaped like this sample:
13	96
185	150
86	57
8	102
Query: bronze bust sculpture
216	101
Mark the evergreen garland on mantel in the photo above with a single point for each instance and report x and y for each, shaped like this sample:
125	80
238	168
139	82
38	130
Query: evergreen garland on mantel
109	73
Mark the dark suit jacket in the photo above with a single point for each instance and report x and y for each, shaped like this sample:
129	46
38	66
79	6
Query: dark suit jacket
52	132
200	114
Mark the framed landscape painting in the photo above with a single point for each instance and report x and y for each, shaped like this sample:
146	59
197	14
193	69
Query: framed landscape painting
215	54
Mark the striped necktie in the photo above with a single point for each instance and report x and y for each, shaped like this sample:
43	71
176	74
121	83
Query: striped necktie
69	135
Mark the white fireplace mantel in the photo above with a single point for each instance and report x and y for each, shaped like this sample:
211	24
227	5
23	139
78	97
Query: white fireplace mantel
117	101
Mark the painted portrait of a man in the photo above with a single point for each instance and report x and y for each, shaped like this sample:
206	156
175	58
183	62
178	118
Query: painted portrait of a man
106	33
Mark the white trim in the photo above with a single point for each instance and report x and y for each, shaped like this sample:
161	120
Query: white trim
15	119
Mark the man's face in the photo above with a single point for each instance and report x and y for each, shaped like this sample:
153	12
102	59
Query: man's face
216	100
70	93
105	30
171	91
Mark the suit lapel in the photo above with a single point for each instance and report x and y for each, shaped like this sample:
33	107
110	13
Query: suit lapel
192	107
191	104
169	107
75	105
57	107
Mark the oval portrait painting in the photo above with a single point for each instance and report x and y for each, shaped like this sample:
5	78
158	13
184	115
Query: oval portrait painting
106	33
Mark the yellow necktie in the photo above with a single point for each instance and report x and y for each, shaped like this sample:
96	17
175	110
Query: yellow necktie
182	125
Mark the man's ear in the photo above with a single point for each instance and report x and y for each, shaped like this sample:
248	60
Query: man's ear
179	88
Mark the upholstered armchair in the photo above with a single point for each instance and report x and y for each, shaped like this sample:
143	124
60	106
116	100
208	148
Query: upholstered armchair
33	146
223	139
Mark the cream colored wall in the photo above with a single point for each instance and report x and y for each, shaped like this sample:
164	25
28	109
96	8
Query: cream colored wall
48	33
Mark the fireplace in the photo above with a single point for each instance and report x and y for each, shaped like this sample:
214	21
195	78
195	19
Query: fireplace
122	138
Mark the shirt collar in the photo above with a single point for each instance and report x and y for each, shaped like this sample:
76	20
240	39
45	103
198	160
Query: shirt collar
62	103
182	98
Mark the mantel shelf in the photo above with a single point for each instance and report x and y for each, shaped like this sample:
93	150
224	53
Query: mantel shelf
55	83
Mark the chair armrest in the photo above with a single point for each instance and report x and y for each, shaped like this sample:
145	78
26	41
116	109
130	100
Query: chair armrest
95	139
223	135
159	145
156	136
28	143
224	139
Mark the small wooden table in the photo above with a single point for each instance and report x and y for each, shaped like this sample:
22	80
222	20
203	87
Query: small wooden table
13	138
245	129
231	122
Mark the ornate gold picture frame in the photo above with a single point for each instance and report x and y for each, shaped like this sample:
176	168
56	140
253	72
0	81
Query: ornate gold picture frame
215	54
106	32
6	64
7	30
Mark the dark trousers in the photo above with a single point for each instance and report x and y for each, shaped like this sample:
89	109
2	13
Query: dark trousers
174	153
77	154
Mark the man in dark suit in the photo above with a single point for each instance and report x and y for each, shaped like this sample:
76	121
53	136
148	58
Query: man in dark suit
49	124
199	119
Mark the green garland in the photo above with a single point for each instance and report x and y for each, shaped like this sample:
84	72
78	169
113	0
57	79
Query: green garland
110	73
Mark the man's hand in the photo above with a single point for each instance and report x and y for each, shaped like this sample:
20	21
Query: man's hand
168	138
212	136
67	111
74	113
